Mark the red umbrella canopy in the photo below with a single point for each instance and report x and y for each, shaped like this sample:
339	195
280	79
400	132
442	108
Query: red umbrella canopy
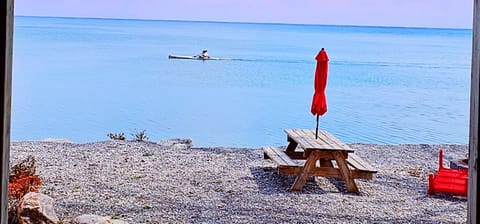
319	102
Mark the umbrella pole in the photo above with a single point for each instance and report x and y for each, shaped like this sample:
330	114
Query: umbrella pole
316	129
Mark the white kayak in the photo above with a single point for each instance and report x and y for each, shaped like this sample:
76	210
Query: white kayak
195	57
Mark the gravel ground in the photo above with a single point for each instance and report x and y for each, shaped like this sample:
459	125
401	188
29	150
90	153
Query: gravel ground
147	182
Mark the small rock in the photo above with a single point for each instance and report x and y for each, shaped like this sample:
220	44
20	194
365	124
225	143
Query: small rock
96	219
180	147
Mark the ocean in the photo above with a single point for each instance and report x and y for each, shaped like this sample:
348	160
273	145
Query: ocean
81	79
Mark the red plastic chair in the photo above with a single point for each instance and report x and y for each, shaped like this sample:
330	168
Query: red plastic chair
446	180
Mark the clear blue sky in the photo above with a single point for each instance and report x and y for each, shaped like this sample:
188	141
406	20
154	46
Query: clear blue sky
416	13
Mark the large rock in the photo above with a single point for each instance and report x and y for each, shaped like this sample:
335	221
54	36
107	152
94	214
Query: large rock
36	208
96	219
176	143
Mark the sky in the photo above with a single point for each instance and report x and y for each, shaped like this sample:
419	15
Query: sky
403	13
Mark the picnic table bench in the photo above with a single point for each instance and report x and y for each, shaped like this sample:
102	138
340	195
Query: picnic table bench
323	156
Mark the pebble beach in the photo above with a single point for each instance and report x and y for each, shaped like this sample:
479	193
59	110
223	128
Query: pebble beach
173	182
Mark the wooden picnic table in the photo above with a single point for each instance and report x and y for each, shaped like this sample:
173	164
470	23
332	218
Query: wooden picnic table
323	156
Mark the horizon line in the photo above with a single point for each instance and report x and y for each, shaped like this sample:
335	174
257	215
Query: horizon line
271	23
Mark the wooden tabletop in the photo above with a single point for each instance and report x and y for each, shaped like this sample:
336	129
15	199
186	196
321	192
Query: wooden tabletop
325	141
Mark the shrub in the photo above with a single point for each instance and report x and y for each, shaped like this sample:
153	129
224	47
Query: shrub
140	136
119	136
22	179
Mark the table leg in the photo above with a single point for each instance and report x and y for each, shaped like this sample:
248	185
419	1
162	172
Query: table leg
302	178
345	172
291	146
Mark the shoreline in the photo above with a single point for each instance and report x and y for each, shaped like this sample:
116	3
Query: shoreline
171	181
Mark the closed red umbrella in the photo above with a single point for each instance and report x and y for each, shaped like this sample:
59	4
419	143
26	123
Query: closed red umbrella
319	102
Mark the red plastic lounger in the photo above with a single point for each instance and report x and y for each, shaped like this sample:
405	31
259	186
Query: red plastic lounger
446	180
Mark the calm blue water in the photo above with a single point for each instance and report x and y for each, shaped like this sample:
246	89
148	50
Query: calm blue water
81	79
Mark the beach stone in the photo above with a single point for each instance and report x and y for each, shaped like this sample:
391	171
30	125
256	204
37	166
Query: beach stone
57	140
96	219
176	143
36	208
459	164
234	185
180	147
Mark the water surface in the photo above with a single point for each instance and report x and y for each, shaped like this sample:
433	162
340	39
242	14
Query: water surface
81	79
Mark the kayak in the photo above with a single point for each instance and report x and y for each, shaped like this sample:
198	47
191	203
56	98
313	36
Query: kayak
195	57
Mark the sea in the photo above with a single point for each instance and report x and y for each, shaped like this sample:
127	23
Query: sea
83	78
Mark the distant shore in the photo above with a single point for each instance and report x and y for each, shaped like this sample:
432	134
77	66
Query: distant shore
172	181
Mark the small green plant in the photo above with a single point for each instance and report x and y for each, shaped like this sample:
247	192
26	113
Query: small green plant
116	216
119	136
137	177
147	154
76	188
140	136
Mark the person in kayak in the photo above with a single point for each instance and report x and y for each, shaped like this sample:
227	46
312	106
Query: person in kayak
204	54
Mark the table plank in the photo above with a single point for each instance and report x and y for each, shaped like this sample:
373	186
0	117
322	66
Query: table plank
303	138
337	142
325	141
278	156
360	164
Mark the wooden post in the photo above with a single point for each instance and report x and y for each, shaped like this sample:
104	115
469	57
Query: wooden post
307	167
474	121
345	172
6	42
